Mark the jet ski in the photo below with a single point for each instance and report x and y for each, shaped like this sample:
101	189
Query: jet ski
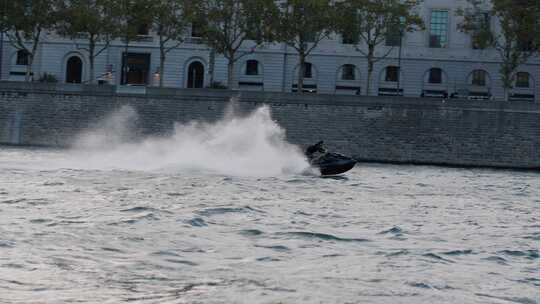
328	163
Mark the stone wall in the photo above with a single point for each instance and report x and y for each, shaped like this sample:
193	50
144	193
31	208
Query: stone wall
386	129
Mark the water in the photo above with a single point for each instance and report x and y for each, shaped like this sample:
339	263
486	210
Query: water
139	227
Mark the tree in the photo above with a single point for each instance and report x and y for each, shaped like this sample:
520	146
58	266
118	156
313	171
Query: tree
517	36
373	21
302	24
92	19
25	22
229	25
133	19
169	20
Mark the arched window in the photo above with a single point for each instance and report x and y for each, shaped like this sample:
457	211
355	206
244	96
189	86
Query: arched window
479	78
308	70
22	57
435	76
74	69
348	72
252	67
523	80
392	74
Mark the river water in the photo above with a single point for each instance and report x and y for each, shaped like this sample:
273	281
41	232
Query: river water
129	223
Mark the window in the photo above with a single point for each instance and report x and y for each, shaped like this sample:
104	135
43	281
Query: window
393	36
22	57
438	35
348	72
435	75
310	36
252	67
143	30
526	43
308	70
392	74
481	36
479	78
523	80
349	38
196	30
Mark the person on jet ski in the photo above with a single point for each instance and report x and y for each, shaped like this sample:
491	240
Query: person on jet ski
315	151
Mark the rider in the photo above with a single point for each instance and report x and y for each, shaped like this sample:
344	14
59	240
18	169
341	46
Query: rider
316	150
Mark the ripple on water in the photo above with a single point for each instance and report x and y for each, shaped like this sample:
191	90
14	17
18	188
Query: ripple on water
437	258
320	236
250	232
196	222
223	210
429	286
458	252
145	209
279	248
520	300
496	259
528	254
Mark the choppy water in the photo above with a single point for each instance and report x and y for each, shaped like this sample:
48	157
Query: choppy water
224	213
380	234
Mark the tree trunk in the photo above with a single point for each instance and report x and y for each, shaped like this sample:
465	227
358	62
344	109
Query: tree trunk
369	76
124	63
162	55
230	74
162	58
301	71
212	61
28	76
92	59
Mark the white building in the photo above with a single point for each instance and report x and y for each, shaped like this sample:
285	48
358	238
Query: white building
439	61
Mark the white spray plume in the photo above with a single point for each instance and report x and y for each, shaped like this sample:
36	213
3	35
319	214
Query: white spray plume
251	145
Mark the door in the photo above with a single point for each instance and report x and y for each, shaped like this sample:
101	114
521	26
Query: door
195	75
74	69
136	68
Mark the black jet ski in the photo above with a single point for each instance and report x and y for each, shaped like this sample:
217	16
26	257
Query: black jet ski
329	163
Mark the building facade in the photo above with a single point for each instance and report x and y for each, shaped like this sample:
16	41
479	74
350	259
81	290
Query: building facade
440	61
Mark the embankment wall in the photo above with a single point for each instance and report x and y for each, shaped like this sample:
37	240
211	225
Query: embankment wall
385	129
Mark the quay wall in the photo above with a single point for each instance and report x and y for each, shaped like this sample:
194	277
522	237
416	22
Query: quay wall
383	129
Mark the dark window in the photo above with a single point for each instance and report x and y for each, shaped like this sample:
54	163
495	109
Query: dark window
308	70
196	30
482	27
143	30
22	57
393	36
349	38
479	78
435	76
310	36
348	72
526	43
74	68
252	67
438	34
523	80
392	74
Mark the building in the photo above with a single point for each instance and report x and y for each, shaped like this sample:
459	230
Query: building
440	61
